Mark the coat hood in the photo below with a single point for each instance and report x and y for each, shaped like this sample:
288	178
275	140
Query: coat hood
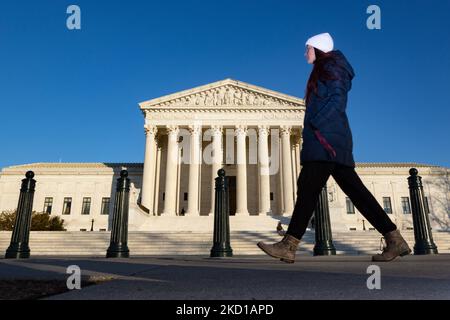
342	61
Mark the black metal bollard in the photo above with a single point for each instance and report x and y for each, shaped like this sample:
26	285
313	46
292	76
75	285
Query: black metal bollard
324	242
118	247
18	248
221	242
422	231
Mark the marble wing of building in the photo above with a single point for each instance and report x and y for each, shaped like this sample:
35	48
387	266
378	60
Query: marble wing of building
251	132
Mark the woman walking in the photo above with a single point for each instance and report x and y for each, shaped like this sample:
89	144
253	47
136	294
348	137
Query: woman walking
327	149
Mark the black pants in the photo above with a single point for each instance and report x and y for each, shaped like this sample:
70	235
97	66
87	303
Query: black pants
313	178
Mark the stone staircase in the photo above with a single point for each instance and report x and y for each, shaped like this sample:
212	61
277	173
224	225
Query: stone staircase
198	243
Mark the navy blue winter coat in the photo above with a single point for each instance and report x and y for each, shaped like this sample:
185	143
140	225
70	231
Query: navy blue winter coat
325	111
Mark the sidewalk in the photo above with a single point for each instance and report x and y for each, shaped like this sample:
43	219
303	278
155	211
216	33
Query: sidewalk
197	277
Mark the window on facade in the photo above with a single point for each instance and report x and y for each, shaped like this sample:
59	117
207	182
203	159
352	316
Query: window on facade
350	206
164	196
185	196
48	204
105	206
387	204
271	196
427	208
67	205
86	207
406	208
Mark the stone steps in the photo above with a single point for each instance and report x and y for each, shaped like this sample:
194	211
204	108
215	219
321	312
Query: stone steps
197	243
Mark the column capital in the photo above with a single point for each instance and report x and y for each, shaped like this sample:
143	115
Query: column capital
285	130
216	129
240	130
172	129
263	129
195	129
150	130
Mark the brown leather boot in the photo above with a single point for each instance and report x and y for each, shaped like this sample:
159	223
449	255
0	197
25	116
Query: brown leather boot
395	246
283	250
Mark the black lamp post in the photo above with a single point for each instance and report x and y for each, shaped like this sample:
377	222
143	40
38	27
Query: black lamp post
221	246
19	248
118	247
324	241
424	243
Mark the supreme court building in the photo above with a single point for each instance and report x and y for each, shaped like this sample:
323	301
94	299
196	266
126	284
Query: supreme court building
255	134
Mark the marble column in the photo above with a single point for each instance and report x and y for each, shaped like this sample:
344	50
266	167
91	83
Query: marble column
287	170
178	191
294	169
241	175
216	161
158	175
171	171
264	170
298	146
148	178
280	180
194	169
296	161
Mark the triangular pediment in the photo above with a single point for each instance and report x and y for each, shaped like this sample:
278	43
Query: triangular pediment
224	93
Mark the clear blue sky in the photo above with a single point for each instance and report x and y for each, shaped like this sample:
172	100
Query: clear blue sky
72	96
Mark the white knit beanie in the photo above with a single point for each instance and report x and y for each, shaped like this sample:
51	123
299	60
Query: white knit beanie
323	42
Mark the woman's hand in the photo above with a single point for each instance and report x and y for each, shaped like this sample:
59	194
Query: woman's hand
325	143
